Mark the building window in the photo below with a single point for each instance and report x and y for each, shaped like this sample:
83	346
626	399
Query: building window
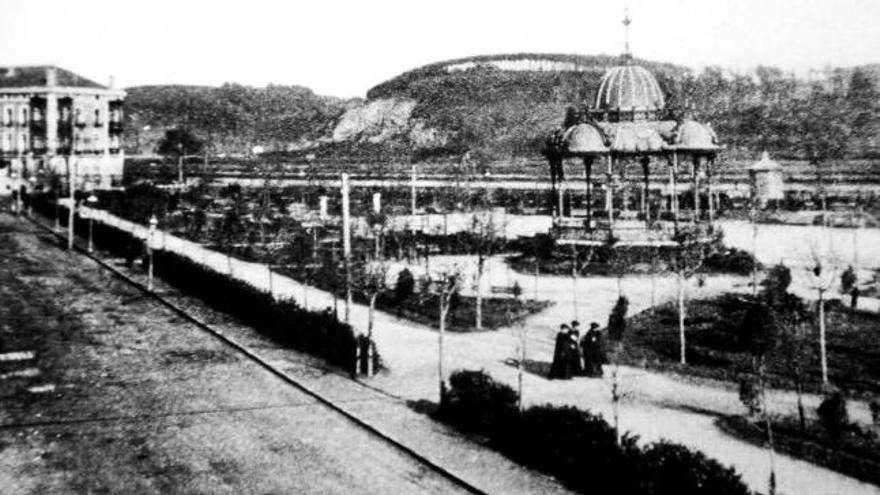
98	122
7	142
77	116
7	118
37	115
24	116
22	142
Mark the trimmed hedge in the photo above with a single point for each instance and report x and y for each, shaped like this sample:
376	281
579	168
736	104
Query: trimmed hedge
316	332
580	448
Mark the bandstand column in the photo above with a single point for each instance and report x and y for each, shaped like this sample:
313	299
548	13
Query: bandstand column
561	197
710	166
646	167
609	199
588	169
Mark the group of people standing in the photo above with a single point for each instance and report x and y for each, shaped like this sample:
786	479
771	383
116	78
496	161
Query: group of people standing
575	355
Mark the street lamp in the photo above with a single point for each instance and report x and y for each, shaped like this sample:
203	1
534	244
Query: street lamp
92	200
153	223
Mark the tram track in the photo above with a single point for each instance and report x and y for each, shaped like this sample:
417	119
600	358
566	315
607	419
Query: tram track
335	406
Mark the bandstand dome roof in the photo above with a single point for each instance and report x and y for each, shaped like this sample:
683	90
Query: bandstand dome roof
693	135
584	139
765	164
629	87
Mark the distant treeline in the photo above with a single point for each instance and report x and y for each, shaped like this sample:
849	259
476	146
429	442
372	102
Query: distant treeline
229	118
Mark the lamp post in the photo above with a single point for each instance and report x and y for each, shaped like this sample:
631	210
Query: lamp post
92	200
71	186
153	223
180	163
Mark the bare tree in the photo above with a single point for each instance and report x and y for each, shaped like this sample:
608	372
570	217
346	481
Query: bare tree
686	261
616	331
484	234
579	263
822	280
447	285
370	279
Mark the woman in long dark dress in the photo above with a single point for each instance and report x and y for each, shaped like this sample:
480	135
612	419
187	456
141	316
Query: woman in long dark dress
560	354
573	354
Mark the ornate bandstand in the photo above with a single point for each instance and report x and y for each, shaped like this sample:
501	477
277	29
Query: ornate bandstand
621	141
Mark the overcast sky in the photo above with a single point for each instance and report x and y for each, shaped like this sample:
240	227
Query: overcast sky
344	47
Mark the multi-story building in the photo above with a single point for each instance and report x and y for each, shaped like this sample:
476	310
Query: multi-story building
55	122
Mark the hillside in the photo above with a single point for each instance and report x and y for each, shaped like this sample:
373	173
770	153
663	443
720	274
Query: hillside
230	118
499	108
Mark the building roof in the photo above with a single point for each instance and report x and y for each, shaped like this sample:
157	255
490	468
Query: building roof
693	135
765	164
38	75
638	137
584	139
633	138
628	88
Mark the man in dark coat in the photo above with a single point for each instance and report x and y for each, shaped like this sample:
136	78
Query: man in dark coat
558	368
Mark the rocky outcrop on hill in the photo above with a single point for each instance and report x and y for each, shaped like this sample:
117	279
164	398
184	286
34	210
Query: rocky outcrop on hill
384	119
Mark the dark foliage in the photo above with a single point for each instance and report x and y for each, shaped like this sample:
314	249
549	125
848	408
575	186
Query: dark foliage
730	260
403	289
179	142
676	469
777	281
617	319
580	448
832	414
478	403
848	279
856	454
759	329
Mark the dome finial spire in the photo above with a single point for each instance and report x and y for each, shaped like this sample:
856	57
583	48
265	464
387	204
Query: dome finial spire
627	54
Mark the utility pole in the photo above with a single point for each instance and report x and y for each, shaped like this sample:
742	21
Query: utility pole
346	245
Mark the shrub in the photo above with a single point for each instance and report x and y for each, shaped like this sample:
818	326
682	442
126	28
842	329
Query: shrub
404	286
832	414
617	319
758	331
848	279
477	402
777	281
669	468
580	448
749	395
731	260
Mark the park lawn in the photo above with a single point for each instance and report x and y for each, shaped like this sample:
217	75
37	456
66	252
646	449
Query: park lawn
714	349
856	452
497	311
